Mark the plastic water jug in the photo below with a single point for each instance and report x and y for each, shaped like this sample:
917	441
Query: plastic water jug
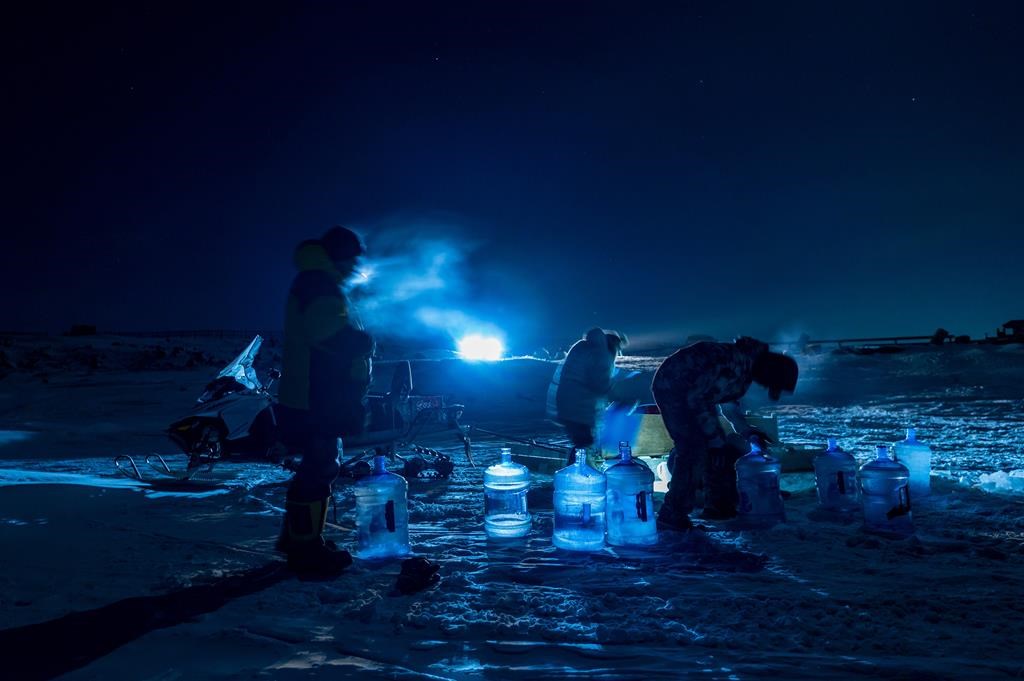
630	501
382	516
917	457
835	473
757	481
505	487
885	494
579	506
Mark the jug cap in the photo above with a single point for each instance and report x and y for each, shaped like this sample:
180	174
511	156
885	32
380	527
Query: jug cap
625	451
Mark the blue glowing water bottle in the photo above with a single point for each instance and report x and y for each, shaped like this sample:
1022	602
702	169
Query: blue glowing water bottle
505	487
757	481
917	457
835	473
630	501
885	493
579	506
382	516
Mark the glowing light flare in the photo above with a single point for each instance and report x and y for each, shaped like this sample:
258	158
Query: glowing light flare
478	347
363	275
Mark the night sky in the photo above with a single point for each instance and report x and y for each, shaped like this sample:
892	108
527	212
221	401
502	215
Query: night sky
764	168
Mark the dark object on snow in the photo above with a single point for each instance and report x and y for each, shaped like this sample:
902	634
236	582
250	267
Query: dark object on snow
940	336
81	330
417	574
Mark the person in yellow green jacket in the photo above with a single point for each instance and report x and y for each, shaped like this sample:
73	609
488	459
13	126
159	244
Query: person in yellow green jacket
322	393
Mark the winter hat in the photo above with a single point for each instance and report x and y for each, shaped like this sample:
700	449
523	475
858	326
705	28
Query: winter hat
780	373
616	341
342	243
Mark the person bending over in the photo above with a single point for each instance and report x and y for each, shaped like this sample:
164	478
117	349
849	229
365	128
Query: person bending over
579	388
689	388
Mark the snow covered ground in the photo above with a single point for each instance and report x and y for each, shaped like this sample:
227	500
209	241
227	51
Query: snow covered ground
105	579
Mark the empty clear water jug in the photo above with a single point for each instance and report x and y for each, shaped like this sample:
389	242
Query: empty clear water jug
505	487
757	481
382	516
630	501
579	506
917	457
885	494
835	474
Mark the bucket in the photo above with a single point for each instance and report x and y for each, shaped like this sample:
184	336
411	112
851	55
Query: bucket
641	427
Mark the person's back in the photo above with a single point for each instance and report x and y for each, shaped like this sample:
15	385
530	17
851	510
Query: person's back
579	386
688	387
708	372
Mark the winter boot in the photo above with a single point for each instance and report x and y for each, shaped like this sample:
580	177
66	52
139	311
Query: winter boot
309	555
674	513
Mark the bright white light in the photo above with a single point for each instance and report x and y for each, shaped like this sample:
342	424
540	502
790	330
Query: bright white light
363	275
478	347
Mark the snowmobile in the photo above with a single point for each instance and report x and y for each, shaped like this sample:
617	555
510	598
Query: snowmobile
233	421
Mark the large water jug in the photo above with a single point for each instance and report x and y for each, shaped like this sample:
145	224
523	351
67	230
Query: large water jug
505	487
579	506
917	457
382	516
835	473
885	493
630	501
757	481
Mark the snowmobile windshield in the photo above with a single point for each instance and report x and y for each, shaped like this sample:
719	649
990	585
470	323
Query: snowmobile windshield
241	368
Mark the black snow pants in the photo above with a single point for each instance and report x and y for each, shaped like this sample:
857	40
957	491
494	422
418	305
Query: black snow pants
697	460
320	455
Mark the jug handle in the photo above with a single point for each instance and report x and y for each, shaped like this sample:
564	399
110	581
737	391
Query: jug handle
904	506
389	515
641	506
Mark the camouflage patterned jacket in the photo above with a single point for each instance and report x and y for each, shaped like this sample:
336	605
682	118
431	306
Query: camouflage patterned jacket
691	383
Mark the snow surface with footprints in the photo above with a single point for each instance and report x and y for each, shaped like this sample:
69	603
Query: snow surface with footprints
814	598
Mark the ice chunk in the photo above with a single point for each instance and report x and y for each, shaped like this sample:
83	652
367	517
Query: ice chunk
1001	481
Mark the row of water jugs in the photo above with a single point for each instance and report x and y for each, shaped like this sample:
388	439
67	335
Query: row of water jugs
584	498
886	487
591	507
618	505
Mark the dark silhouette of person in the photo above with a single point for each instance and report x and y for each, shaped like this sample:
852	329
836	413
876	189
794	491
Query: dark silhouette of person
579	387
322	394
689	387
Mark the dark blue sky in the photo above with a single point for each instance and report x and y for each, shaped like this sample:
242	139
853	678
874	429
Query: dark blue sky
686	167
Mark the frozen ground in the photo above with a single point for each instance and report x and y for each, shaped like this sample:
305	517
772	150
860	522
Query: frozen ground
164	584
